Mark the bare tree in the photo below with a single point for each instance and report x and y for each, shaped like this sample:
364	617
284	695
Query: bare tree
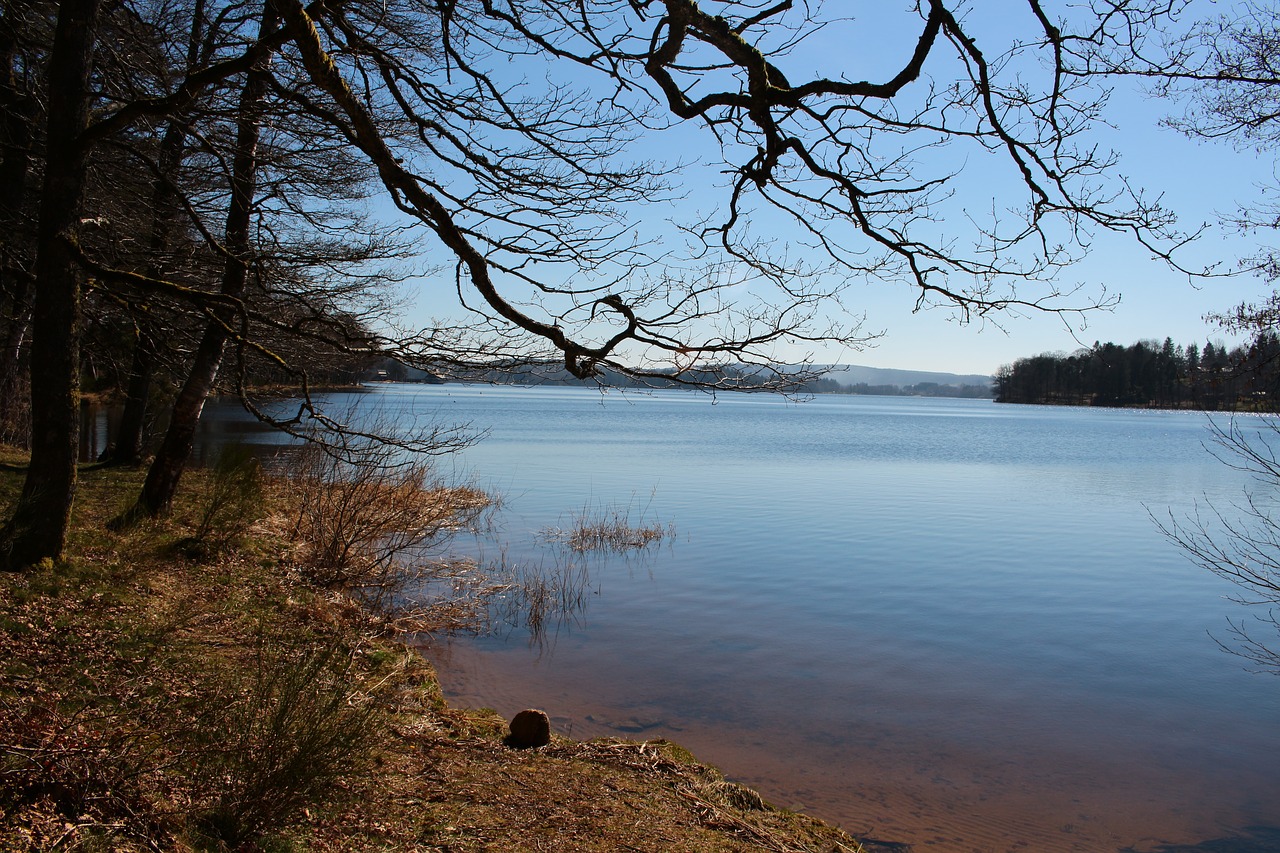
504	130
163	208
857	177
37	529
1221	76
165	470
22	42
297	266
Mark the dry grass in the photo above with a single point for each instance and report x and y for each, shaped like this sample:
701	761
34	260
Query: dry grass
135	684
540	597
370	523
608	528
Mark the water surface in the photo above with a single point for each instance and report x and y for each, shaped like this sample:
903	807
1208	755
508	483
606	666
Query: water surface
943	623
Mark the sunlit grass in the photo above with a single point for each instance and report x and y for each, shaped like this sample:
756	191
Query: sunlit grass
608	528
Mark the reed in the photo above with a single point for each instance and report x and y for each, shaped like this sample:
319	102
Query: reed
608	528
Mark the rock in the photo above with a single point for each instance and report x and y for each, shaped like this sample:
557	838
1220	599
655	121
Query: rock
530	728
631	725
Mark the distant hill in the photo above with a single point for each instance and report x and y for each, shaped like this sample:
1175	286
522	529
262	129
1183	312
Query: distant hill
835	378
853	374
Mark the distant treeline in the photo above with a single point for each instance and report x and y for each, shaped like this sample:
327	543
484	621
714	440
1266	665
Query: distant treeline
730	377
1149	374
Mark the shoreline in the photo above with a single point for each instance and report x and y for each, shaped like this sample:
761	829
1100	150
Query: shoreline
140	650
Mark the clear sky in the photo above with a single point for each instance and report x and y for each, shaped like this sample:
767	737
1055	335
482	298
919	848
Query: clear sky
1198	180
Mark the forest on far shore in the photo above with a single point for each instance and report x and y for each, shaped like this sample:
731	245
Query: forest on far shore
1150	375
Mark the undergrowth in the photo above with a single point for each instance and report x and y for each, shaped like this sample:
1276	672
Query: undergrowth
172	687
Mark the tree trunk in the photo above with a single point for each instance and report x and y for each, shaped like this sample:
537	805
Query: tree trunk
128	449
171	459
17	112
38	527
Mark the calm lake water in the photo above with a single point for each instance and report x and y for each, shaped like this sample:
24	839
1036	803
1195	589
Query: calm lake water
948	624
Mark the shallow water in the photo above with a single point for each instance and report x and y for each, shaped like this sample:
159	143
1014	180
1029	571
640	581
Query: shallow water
949	624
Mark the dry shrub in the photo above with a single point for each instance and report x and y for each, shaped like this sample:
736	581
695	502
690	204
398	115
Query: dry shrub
452	596
264	751
88	772
541	597
369	521
464	596
235	500
372	521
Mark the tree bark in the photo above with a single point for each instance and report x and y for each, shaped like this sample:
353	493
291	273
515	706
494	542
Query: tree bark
128	449
38	528
171	459
17	112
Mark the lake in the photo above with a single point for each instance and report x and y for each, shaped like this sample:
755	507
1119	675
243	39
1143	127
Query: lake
948	624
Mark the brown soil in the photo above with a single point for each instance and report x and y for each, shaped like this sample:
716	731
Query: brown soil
125	669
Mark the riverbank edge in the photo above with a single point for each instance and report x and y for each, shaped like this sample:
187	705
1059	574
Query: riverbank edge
126	670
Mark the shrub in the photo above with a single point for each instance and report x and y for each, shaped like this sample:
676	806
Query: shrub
367	521
263	752
235	501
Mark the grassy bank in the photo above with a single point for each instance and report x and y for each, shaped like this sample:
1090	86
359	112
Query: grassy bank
192	685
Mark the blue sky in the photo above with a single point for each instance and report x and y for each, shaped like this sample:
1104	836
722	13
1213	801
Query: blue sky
1198	180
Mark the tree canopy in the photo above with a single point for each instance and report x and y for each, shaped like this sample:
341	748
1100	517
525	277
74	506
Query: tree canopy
205	173
1150	374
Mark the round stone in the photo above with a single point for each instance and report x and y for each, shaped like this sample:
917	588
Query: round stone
530	728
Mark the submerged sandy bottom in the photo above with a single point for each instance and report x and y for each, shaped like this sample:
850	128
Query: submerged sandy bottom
884	781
